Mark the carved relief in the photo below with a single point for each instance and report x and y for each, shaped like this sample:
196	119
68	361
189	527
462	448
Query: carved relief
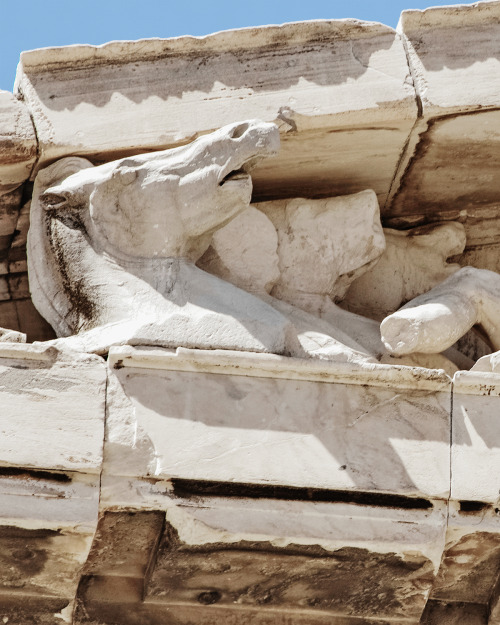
112	253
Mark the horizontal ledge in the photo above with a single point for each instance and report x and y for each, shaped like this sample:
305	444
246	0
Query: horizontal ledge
153	49
45	352
226	362
476	383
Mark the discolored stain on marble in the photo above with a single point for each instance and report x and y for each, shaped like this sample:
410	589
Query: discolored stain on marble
454	613
469	569
349	581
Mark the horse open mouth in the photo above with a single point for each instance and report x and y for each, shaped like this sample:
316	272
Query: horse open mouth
236	176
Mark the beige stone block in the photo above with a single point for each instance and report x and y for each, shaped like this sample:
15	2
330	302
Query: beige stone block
453	171
450	167
339	90
17	142
475	454
262	419
52	426
9	211
4	289
47	522
241	560
52	415
466	586
8	315
18	285
454	55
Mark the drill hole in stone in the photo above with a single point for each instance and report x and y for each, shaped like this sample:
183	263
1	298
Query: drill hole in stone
209	597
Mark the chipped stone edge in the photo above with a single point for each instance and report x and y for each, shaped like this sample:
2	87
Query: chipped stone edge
226	362
287	34
476	383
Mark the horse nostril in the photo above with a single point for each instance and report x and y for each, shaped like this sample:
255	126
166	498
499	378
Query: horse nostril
238	131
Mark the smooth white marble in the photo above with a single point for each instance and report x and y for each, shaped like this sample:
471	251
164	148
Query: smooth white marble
475	453
382	437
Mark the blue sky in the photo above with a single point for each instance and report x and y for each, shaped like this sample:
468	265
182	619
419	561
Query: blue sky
29	24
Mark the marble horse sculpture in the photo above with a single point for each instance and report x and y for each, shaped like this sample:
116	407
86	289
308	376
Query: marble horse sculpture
112	252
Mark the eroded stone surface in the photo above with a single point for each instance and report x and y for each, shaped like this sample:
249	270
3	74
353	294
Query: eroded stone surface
252	490
454	56
18	145
220	558
339	89
476	441
413	262
453	153
52	423
277	431
52	415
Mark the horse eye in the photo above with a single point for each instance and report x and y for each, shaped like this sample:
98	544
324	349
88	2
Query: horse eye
51	200
127	176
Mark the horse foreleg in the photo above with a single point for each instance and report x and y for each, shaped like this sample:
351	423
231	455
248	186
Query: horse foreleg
434	321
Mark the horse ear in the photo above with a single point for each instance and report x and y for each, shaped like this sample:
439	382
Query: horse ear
48	185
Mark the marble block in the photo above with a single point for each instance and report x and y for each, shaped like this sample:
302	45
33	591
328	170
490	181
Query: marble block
475	452
454	55
238	560
18	146
466	586
340	90
52	409
52	427
246	418
449	168
452	172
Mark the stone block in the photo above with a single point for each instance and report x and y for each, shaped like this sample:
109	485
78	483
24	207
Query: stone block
236	560
8	315
449	170
339	89
18	285
453	170
31	322
229	417
52	427
475	453
18	147
52	415
454	55
47	522
466	586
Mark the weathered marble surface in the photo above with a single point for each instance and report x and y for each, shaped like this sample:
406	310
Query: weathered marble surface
415	525
435	320
112	251
454	56
52	415
476	437
343	90
18	146
413	262
243	560
450	164
52	426
387	437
